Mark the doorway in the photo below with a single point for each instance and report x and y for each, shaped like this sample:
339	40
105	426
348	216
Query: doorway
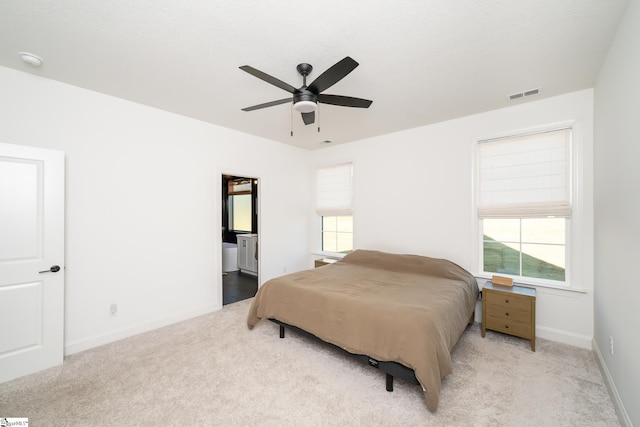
239	238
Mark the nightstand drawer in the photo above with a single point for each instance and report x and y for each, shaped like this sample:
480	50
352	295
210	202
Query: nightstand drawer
509	313
513	302
509	326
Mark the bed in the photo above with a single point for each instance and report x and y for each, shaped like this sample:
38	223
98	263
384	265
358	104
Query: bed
407	310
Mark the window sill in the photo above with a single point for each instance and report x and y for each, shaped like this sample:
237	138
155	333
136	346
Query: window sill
481	279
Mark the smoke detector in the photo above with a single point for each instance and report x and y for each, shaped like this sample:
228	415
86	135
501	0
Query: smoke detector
30	58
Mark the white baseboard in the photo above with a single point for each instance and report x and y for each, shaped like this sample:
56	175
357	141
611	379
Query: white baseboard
550	334
613	391
564	337
112	336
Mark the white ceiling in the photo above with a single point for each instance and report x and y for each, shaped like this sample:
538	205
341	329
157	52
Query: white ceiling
421	61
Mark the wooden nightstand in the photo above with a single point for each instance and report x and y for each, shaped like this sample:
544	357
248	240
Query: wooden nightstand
323	261
510	310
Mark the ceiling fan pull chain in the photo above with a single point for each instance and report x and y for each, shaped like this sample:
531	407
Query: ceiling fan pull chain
291	120
318	118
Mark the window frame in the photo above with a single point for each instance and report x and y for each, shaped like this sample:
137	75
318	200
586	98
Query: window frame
573	251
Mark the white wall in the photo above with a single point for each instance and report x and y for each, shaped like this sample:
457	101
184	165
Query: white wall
413	194
617	213
143	204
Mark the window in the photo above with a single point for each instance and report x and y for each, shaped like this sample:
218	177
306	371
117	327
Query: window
239	205
337	234
524	207
525	247
334	203
240	212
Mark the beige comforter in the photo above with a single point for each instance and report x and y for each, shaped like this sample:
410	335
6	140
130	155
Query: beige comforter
403	308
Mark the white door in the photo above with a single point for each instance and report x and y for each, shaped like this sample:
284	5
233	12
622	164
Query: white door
31	260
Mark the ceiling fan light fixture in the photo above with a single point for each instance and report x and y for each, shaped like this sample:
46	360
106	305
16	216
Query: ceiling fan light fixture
305	106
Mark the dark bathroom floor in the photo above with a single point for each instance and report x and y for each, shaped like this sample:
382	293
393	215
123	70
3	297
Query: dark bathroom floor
237	286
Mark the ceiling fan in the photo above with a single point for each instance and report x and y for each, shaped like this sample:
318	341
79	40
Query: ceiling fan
306	98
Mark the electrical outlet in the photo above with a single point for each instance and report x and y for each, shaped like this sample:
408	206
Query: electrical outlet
611	344
113	310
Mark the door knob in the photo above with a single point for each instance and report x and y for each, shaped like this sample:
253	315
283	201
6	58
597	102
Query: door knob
53	269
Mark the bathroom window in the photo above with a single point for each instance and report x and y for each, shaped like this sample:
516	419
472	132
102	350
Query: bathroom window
239	204
240	212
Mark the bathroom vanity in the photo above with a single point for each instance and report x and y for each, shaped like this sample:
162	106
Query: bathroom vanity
248	253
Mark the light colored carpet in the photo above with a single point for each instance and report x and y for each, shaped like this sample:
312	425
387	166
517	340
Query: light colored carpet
213	371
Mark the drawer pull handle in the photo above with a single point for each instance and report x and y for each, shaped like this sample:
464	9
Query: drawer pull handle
506	326
507	301
507	313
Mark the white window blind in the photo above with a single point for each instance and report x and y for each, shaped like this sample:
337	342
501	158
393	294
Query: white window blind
526	176
334	193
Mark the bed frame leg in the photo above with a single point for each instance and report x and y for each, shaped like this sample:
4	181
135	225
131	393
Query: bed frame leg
389	382
281	331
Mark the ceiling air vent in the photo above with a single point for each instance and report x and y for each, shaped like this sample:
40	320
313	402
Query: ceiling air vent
525	93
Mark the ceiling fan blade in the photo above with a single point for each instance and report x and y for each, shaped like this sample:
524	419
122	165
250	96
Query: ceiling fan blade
267	104
267	78
344	101
309	118
333	75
